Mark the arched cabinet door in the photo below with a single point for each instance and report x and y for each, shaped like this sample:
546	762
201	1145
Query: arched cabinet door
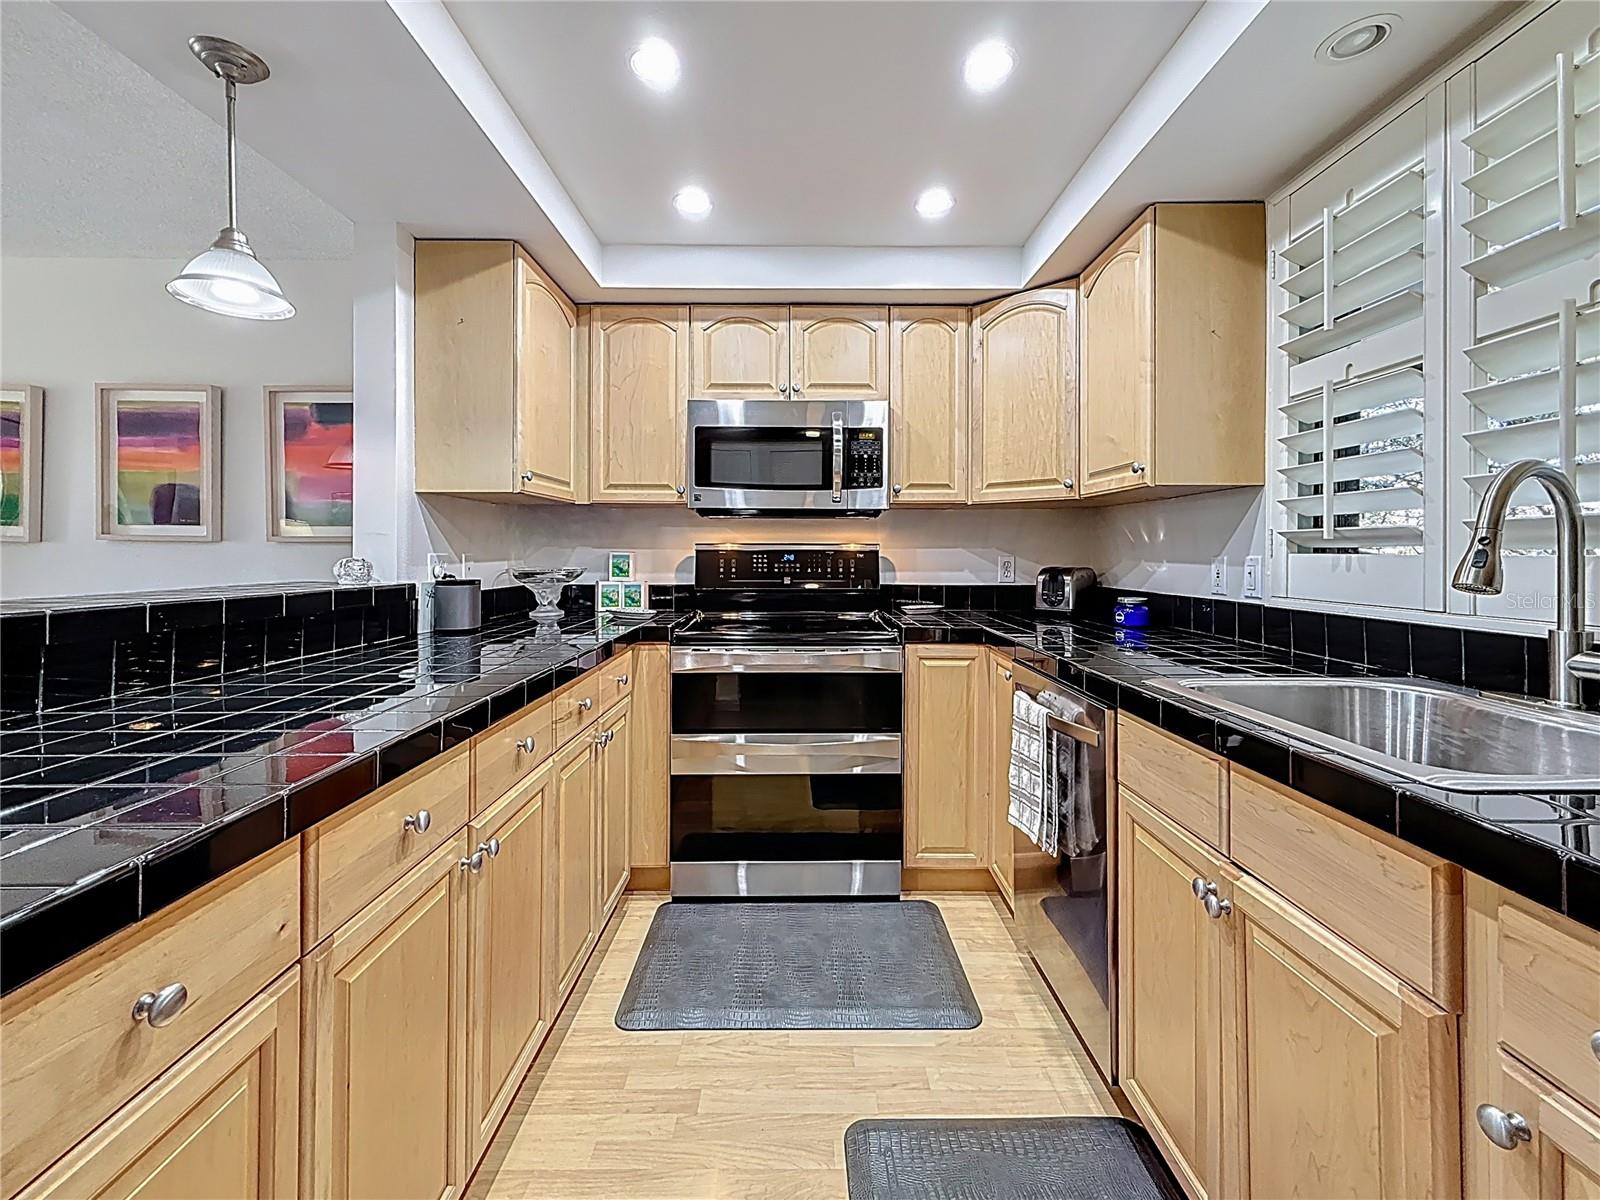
550	430
638	402
1024	397
839	353
739	353
929	415
1117	363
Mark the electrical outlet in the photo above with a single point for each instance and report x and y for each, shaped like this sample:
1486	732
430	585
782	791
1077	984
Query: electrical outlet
1219	577
1008	569
1252	576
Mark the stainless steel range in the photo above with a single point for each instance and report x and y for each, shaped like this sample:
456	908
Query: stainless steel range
786	701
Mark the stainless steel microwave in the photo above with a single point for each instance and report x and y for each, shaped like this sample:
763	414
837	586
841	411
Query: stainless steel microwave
796	458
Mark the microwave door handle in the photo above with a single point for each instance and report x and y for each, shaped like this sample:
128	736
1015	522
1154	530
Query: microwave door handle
838	458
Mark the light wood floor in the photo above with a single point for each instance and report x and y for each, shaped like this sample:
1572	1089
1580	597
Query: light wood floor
761	1115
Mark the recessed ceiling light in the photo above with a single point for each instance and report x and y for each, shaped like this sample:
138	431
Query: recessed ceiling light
1358	37
988	65
692	202
935	203
655	62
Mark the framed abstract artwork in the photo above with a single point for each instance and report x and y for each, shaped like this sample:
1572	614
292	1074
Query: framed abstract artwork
160	461
21	463
310	448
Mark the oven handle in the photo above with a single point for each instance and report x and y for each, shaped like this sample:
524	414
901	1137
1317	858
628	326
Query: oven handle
689	660
786	754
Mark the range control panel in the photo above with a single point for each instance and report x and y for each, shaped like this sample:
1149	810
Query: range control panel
799	567
863	458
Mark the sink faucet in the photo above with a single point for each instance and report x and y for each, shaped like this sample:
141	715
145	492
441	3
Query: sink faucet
1479	572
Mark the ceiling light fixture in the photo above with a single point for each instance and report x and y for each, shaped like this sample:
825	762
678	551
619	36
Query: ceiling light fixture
1358	37
692	202
655	62
936	202
226	277
988	65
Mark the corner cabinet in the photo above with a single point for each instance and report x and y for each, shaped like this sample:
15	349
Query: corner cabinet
1024	443
638	403
946	821
928	408
1172	358
498	376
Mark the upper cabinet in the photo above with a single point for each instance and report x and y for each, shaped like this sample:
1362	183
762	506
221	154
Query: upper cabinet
1172	325
638	397
928	410
739	353
839	353
1024	397
808	352
498	370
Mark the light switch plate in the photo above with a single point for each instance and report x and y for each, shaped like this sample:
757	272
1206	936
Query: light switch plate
1219	577
1008	569
1252	576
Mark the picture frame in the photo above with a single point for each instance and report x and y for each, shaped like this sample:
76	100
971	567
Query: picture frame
158	451
608	597
619	565
21	463
622	596
310	459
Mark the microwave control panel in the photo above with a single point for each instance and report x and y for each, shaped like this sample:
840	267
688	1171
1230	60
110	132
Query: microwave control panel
863	458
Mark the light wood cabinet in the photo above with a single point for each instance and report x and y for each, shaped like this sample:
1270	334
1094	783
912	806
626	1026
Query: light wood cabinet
570	899
929	368
946	821
651	749
739	353
384	1101
1560	1158
613	807
839	353
220	1125
997	778
1172	353
638	403
1024	397
507	1012
498	376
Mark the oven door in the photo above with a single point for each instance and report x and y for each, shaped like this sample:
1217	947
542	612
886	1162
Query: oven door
783	456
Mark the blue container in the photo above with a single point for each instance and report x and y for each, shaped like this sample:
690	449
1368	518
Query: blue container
1132	612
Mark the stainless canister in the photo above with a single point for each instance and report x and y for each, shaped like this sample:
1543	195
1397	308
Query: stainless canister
457	605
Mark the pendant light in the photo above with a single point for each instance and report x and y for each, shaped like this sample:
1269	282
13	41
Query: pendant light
227	278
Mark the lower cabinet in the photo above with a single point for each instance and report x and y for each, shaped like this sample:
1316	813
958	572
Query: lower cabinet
946	820
997	778
571	890
613	806
221	1122
385	1043
1549	1146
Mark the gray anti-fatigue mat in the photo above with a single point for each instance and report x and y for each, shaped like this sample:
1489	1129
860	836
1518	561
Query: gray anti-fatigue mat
820	965
1028	1158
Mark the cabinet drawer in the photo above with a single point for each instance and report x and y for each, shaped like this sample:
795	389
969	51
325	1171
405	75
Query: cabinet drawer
1174	777
1395	903
578	706
503	756
74	1052
352	856
616	679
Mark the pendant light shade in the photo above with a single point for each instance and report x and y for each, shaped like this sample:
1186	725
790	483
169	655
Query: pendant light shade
226	278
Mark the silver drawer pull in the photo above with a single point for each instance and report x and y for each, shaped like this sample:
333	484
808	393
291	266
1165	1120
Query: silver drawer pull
525	744
474	863
622	680
418	821
1216	907
585	704
1202	888
161	1008
1508	1130
1594	1042
490	847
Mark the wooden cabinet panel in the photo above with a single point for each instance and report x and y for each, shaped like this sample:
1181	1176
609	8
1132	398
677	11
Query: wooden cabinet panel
616	678
651	751
1174	777
946	823
613	807
1347	1078
839	353
504	754
1024	397
997	779
506	1017
384	1104
220	1125
739	353
73	1054
1169	1004
1548	970
551	441
638	400
1117	363
1560	1160
577	706
928	373
570	857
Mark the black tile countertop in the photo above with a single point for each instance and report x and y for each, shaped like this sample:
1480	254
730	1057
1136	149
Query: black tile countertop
1545	847
111	809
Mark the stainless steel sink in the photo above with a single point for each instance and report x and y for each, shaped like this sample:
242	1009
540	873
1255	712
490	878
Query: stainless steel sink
1429	733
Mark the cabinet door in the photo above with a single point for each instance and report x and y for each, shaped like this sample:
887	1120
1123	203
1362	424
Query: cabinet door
650	750
505	932
550	429
1169	1000
638	399
570	873
928	366
1116	386
612	805
997	780
1560	1158
946	824
739	353
1346	1077
386	1098
220	1124
840	353
1024	396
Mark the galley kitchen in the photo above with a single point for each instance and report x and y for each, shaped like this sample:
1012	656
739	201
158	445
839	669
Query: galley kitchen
721	601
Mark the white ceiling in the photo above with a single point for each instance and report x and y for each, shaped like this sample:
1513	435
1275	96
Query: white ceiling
103	160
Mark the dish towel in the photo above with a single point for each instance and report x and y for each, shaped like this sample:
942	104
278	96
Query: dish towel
1074	817
1031	773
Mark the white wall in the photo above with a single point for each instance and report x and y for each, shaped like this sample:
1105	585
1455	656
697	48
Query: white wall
67	324
1169	545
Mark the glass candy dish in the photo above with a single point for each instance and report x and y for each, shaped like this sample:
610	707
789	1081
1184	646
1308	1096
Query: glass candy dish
546	583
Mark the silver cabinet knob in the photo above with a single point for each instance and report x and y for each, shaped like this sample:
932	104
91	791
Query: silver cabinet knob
1216	907
622	680
1202	888
1508	1130
161	1008
898	488
1007	675
796	389
1067	483
1138	468
1594	1042
527	477
783	388
680	489
490	847
525	744
418	821
585	704
599	739
473	863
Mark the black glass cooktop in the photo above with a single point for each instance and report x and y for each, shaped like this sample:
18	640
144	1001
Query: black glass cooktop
802	628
